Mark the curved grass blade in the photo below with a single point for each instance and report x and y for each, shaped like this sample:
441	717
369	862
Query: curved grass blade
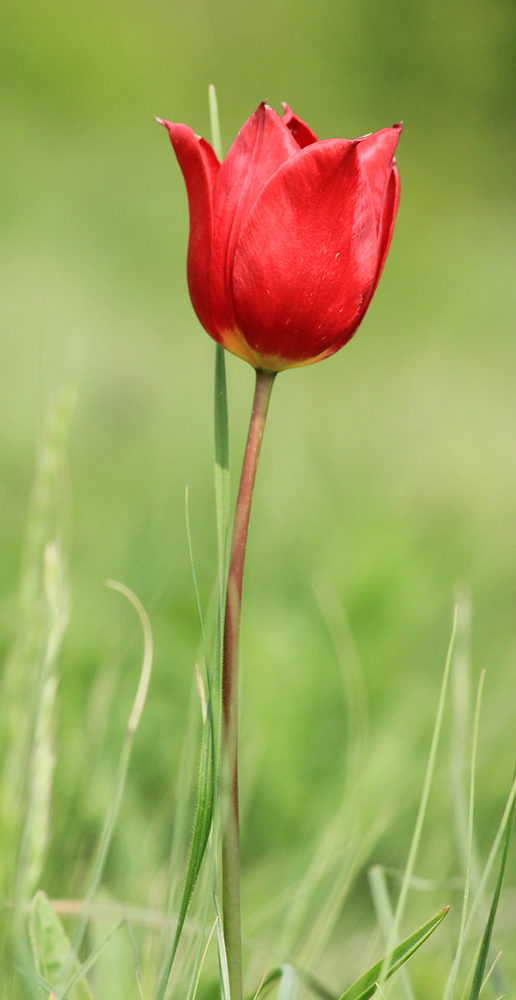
51	946
121	775
306	977
364	987
385	916
289	985
478	976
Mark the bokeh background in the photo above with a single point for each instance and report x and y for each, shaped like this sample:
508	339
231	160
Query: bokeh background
388	476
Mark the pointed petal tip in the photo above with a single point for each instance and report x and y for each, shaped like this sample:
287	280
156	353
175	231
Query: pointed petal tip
160	121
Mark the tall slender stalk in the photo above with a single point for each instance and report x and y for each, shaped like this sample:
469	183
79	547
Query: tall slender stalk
229	759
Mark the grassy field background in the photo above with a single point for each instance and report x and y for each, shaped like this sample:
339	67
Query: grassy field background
388	477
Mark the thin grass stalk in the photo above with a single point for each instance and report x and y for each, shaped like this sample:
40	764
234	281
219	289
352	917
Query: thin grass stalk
480	969
385	916
452	978
229	758
121	774
414	847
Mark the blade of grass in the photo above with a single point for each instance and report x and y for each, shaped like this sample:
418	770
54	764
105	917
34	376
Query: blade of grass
223	958
214	119
385	917
192	992
427	784
452	978
289	985
29	678
134	948
364	987
123	764
199	841
88	963
491	970
480	969
508	813
222	505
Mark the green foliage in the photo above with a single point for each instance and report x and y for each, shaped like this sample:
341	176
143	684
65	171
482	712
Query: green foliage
364	987
51	947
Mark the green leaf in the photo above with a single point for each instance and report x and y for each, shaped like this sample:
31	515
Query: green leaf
222	492
77	978
201	833
478	976
50	945
366	985
289	985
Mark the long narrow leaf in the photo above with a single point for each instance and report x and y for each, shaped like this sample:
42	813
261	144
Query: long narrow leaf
427	784
200	836
89	962
367	984
486	938
223	958
452	978
289	985
121	775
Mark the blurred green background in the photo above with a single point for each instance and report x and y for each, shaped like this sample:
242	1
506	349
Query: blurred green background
388	476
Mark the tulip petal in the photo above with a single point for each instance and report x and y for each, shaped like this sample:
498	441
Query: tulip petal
260	148
376	154
307	258
200	167
390	207
299	129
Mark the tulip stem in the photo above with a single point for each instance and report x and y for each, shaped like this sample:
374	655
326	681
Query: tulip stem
229	758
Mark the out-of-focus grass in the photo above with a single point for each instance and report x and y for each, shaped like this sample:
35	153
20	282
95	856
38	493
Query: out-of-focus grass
388	470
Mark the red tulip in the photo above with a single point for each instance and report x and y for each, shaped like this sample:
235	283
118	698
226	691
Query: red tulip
288	235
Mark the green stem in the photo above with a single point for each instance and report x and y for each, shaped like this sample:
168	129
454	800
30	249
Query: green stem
229	774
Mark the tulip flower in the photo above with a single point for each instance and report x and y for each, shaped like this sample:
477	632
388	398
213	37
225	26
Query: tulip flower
288	238
288	235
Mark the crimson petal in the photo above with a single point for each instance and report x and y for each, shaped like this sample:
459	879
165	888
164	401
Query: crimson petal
260	148
200	167
299	129
376	154
307	257
390	207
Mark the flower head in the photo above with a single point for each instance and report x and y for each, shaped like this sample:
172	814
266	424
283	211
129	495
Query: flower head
288	235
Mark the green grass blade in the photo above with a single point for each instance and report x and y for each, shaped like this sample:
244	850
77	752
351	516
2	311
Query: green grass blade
364	987
427	784
507	814
89	962
222	482
123	765
29	679
385	917
199	962
223	958
480	969
51	946
452	979
290	983
200	836
214	119
35	978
